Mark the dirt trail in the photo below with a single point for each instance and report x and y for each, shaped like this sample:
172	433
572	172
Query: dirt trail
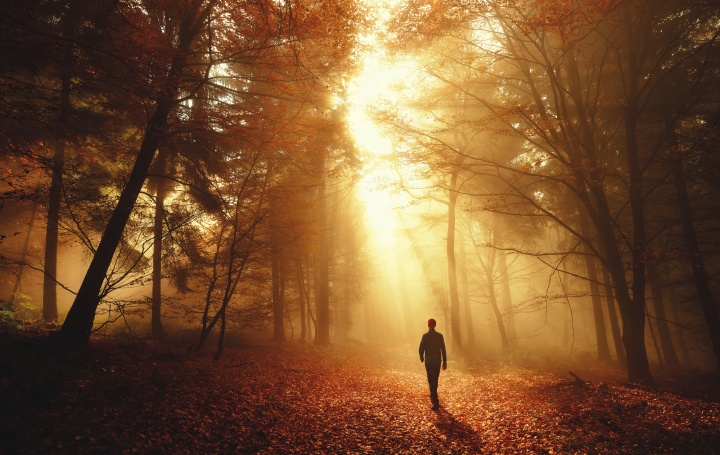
124	399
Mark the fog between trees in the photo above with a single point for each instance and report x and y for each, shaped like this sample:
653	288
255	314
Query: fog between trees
540	177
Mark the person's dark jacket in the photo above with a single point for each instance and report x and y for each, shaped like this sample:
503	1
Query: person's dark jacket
432	348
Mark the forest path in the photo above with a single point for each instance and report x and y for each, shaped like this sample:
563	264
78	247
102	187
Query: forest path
125	399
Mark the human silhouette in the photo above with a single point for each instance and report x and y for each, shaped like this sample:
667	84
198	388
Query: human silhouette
432	352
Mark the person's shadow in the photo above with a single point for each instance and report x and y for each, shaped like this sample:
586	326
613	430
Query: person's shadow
460	434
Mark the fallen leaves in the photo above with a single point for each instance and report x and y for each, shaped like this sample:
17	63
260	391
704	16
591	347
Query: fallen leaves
117	399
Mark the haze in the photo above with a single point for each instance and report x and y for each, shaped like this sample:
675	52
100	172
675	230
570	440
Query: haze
541	178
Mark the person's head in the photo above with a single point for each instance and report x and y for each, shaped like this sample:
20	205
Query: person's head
432	323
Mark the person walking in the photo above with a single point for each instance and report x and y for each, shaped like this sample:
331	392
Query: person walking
432	352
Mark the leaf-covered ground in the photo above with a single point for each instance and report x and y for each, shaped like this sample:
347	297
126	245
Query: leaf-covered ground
121	398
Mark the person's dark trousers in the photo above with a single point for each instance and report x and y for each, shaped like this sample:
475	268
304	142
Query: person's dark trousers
433	373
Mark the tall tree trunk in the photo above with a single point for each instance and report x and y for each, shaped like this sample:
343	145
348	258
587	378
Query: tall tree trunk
321	266
277	296
702	282
680	337
50	312
640	368
655	344
505	280
160	194
471	343
77	327
301	297
632	305
668	350
79	322
23	257
612	316
492	295
603	350
452	272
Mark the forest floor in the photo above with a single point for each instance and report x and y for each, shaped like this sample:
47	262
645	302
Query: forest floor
120	397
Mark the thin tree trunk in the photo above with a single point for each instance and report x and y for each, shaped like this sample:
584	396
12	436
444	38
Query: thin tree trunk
680	337
50	312
452	272
23	257
655	344
505	279
312	322
702	282
160	194
301	297
668	350
471	343
321	271
603	349
278	298
612	316
489	267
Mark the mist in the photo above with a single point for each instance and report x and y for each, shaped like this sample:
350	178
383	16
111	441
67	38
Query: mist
540	182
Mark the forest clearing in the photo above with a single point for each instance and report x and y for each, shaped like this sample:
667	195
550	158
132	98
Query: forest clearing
123	397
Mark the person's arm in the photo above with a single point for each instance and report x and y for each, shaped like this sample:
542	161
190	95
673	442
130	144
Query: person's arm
422	348
444	353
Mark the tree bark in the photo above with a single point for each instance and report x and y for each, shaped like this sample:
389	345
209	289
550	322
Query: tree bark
668	349
505	279
160	193
277	294
471	343
452	272
79	322
490	276
702	282
301	297
603	350
612	316
50	311
321	266
23	257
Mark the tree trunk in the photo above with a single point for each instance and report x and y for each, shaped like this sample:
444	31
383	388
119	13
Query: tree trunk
321	266
702	282
505	279
612	316
277	296
79	322
471	343
301	297
160	194
23	257
655	344
668	350
603	350
452	272
50	312
490	276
